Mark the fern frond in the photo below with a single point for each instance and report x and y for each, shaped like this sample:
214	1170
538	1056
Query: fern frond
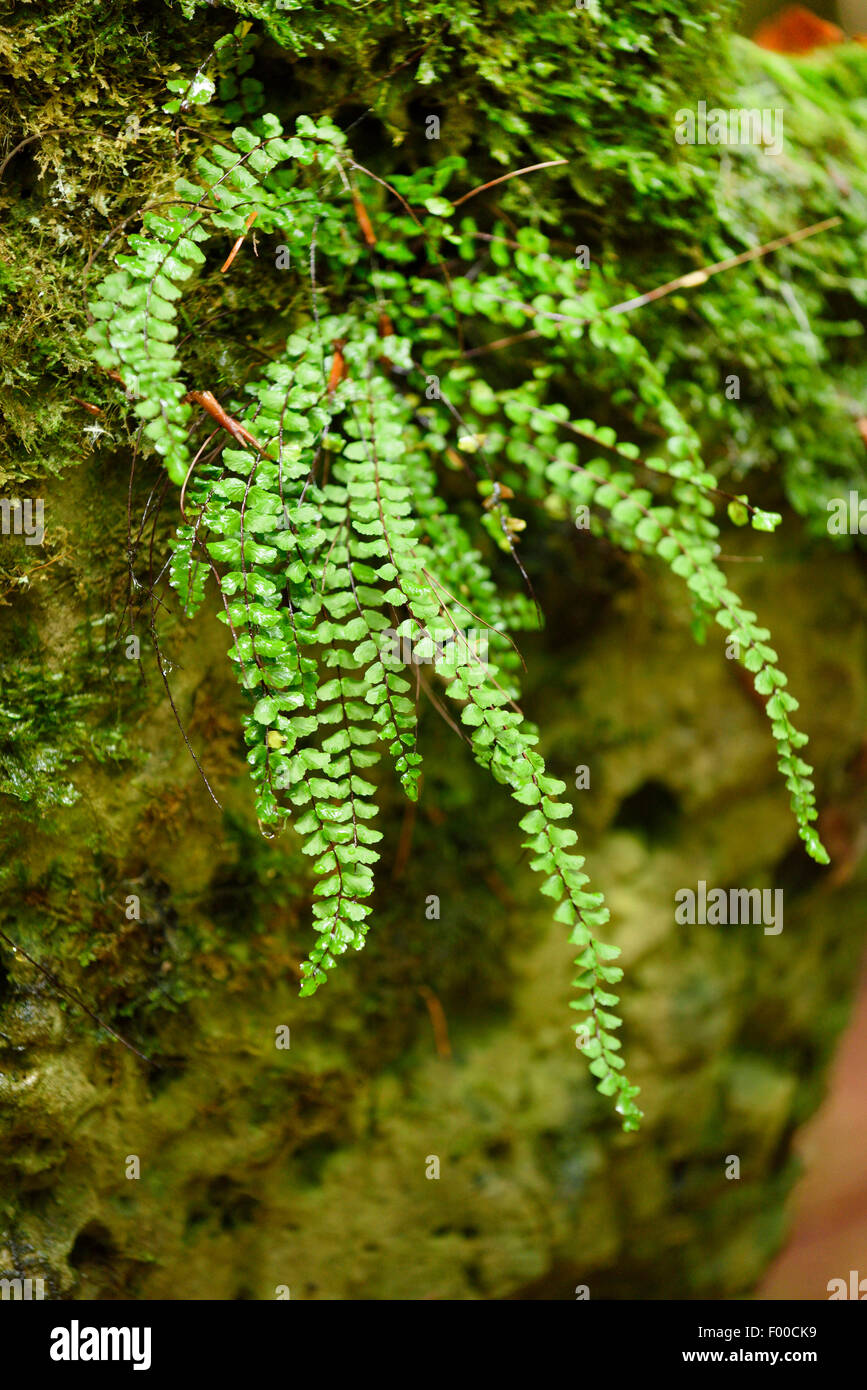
322	517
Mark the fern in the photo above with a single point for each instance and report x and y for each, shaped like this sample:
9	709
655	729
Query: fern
322	520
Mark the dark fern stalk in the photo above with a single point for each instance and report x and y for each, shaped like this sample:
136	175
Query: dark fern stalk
329	539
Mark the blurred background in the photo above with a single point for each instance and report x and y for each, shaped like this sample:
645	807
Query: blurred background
828	1208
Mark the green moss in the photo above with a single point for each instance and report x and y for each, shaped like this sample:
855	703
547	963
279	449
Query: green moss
55	719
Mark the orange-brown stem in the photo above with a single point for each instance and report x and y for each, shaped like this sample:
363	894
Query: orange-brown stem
236	248
364	221
209	402
338	366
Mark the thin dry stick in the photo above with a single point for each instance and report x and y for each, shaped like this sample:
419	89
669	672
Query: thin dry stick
441	710
236	248
531	168
698	277
691	280
503	342
58	985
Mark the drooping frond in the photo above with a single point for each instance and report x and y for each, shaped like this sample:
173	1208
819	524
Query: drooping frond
315	498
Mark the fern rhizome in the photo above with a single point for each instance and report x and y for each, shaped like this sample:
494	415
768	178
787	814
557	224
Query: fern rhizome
312	498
